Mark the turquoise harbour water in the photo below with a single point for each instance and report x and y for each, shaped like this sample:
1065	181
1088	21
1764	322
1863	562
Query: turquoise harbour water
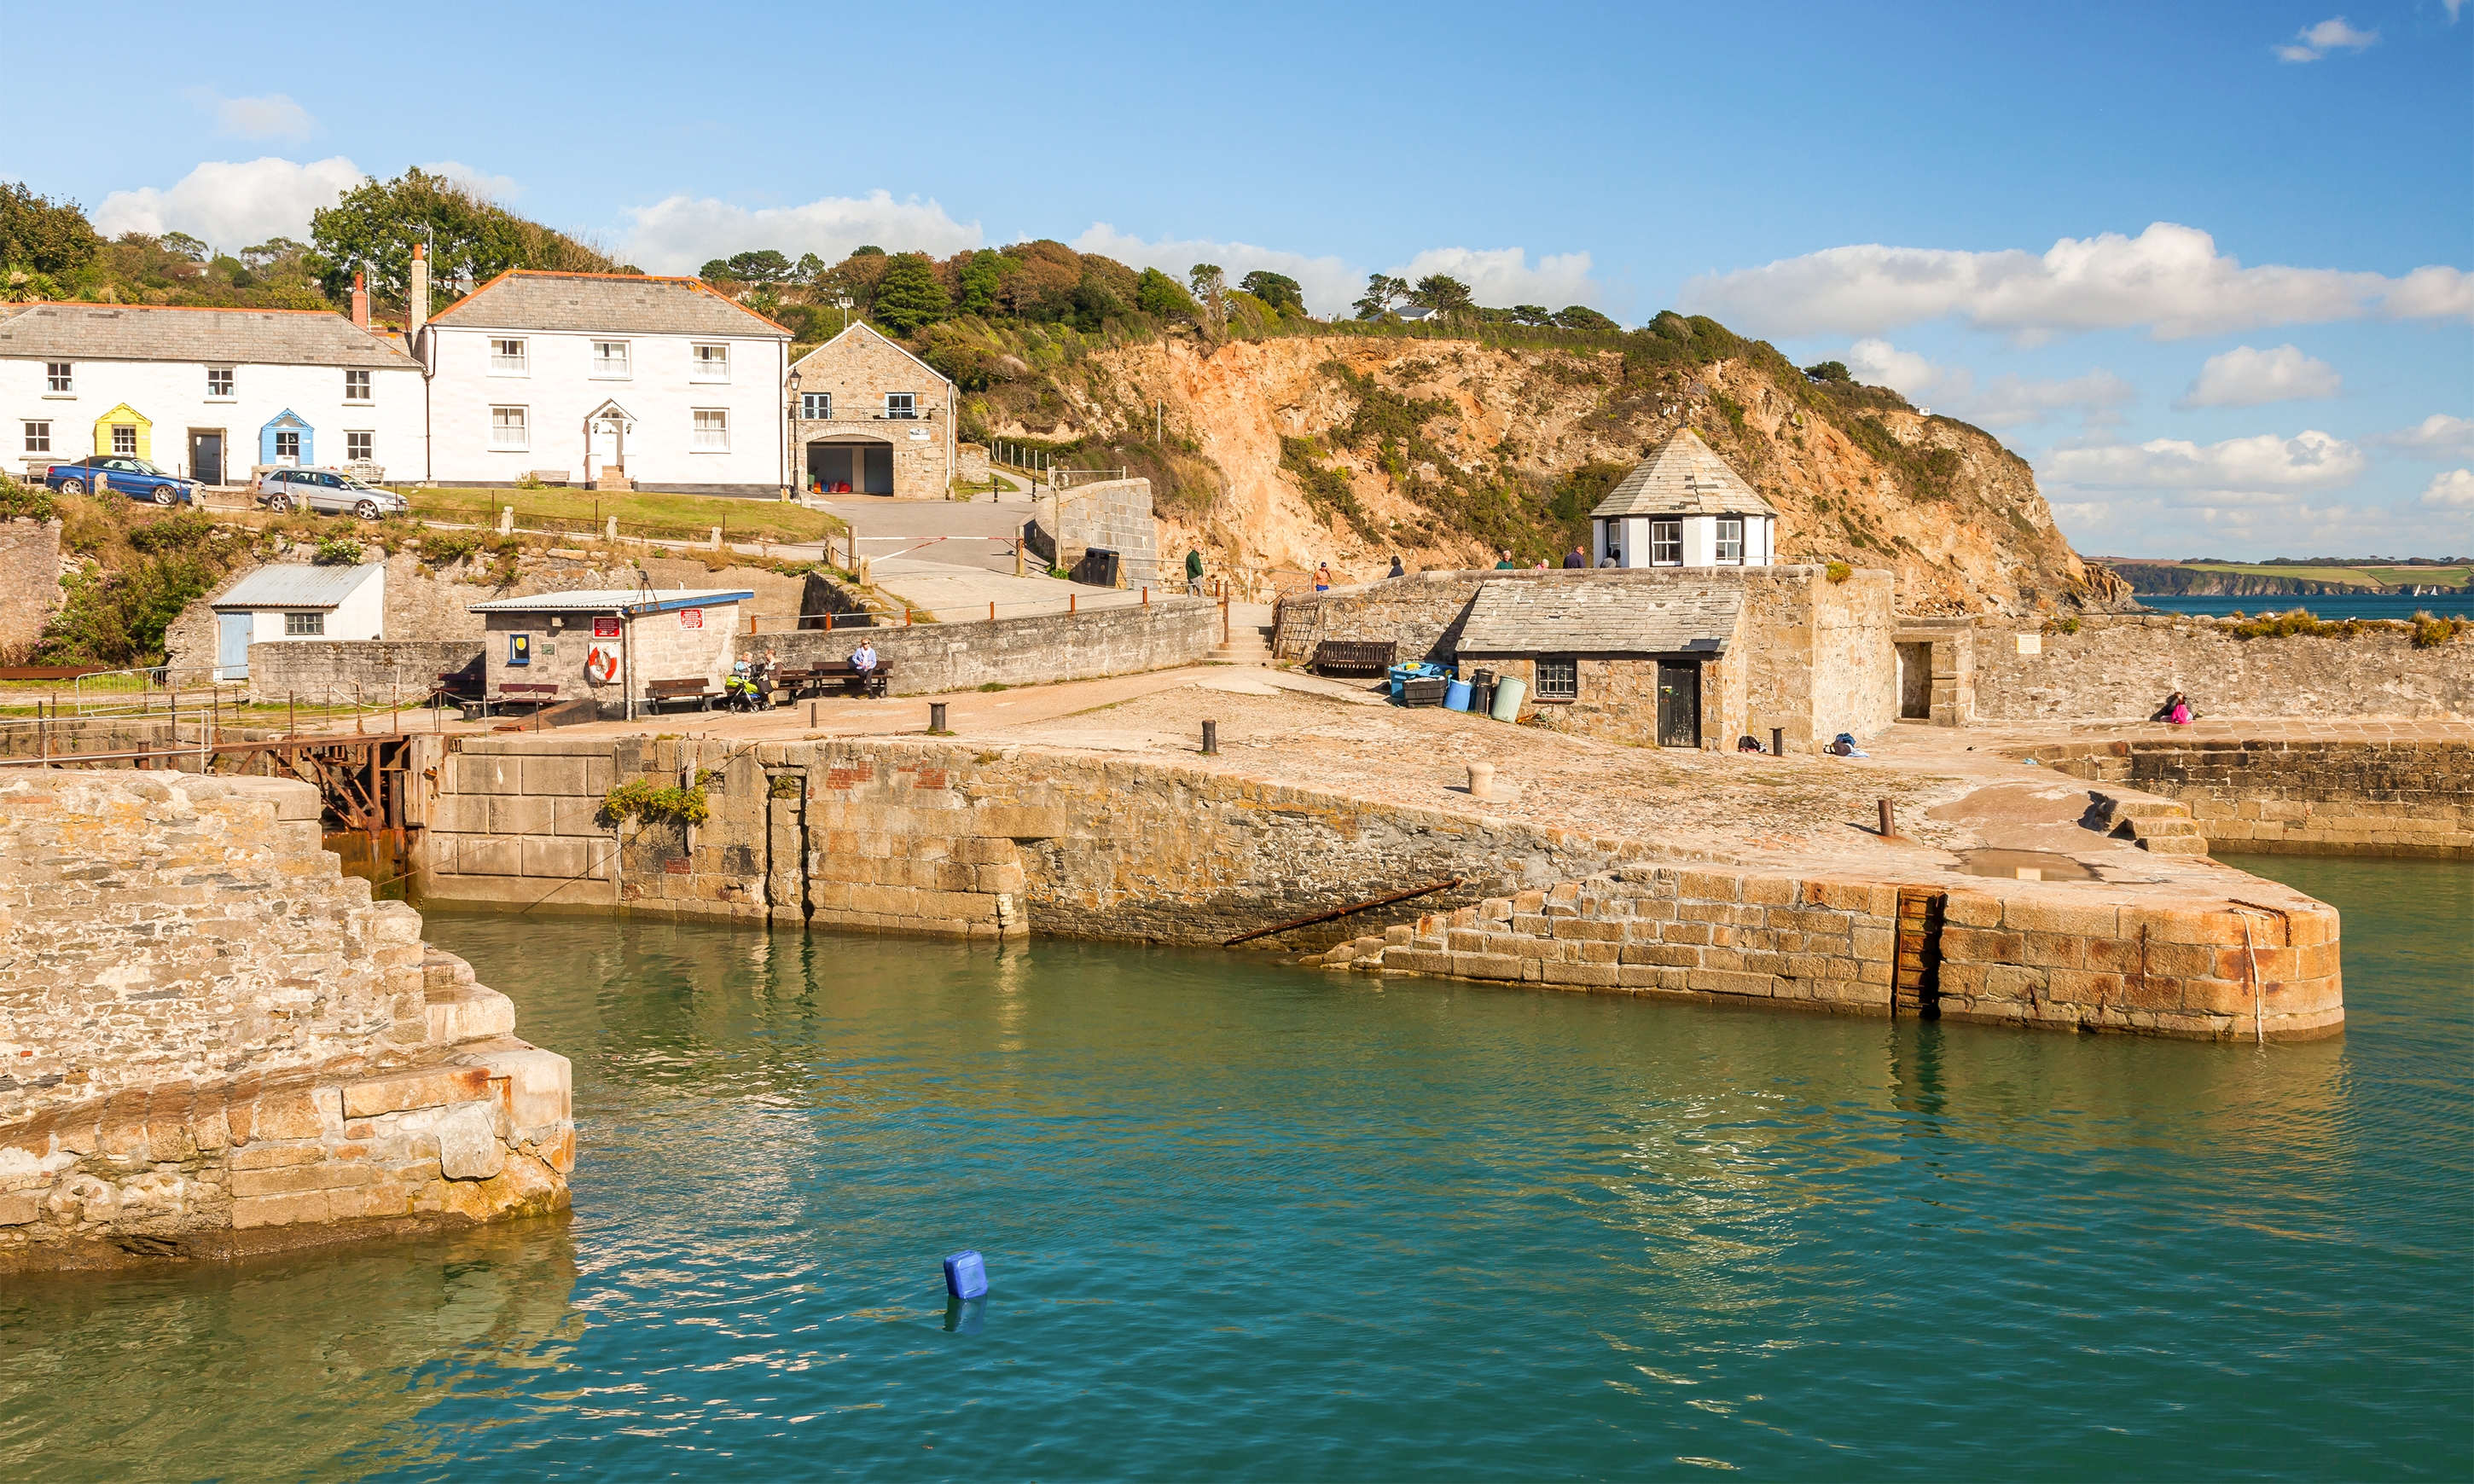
1259	1223
2455	602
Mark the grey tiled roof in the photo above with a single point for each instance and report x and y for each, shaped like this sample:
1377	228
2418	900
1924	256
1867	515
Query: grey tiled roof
1684	477
615	302
291	584
242	337
1581	616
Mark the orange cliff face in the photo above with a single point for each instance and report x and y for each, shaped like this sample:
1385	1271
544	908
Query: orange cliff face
1953	515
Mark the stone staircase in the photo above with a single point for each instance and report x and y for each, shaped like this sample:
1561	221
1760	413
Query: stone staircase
1247	644
2158	825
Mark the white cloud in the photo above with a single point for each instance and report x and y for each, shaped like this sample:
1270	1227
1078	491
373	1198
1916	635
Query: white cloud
488	187
2438	436
2239	470
1328	283
681	234
2169	278
2247	377
271	116
1502	277
2008	400
232	204
2454	490
2313	42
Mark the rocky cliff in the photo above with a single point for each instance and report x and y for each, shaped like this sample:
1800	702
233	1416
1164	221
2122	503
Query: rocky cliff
1351	448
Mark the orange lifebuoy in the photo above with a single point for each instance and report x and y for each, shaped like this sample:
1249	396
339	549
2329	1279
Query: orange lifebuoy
600	665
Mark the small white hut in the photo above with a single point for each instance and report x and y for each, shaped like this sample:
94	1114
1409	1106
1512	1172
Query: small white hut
1685	506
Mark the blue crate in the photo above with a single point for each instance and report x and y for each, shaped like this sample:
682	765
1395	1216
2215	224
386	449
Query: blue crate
967	1276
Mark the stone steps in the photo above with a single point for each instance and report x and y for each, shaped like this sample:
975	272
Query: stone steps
2158	825
1245	646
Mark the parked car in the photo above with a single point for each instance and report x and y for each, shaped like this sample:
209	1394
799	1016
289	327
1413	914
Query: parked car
134	478
327	492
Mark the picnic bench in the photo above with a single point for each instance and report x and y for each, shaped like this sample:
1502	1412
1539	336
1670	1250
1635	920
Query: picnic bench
524	692
1352	657
695	688
835	673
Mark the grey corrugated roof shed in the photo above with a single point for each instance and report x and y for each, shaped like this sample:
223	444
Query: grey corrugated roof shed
1684	477
290	584
611	600
619	304
1578	615
242	337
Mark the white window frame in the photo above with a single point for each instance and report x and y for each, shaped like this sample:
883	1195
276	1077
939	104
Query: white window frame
291	435
120	431
816	407
60	378
38	435
367	381
221	380
902	406
1567	686
511	435
708	362
601	366
305	626
1721	542
1667	544
698	429
518	362
369	450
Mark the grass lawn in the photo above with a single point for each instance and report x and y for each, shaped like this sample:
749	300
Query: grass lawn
677	517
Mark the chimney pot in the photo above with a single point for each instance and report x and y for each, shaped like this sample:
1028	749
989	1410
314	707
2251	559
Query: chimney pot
360	302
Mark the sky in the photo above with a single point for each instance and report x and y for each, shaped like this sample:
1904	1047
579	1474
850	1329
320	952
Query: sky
2208	267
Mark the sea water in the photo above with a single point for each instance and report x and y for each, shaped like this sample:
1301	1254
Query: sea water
1249	1221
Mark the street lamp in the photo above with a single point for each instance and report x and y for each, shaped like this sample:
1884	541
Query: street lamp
791	410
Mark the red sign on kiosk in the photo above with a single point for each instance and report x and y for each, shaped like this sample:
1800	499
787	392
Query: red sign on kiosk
691	618
605	628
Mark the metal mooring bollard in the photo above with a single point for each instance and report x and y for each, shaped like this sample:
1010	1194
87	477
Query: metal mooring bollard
811	713
1778	741
1210	739
1889	820
937	716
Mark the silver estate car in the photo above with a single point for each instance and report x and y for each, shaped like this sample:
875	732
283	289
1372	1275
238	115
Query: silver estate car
327	494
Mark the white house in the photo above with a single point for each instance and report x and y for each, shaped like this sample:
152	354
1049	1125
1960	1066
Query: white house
627	382
205	392
1684	507
289	602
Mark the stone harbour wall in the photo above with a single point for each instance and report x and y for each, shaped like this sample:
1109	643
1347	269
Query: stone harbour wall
212	1042
1112	513
373	670
2299	798
2120	667
927	658
29	582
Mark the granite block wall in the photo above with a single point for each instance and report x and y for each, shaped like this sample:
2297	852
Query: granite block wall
928	658
2406	798
373	669
2120	667
30	581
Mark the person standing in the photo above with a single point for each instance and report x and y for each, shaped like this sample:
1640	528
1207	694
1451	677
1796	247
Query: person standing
1506	564
1322	577
1194	571
1576	559
1397	570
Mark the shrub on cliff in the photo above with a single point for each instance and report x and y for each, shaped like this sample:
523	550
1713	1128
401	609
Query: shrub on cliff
25	502
2431	631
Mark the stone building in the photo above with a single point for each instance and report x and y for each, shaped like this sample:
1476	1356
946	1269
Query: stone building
1684	507
610	643
292	603
869	418
1624	660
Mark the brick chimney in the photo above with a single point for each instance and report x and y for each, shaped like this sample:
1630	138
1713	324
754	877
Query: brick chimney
360	302
416	299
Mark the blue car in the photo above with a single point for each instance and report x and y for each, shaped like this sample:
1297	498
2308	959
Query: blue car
134	478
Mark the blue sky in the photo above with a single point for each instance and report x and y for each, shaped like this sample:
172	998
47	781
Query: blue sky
1963	200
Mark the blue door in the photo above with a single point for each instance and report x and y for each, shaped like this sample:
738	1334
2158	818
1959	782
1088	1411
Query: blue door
231	645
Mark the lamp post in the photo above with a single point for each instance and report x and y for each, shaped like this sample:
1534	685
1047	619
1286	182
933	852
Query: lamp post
843	302
791	410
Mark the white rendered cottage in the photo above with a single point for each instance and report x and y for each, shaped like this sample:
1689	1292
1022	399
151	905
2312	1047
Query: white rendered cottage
291	603
208	394
603	378
1684	507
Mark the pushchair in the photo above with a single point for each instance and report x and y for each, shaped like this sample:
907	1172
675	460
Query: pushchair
740	692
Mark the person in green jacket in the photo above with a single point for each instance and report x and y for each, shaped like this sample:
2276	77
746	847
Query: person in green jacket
1194	571
1505	566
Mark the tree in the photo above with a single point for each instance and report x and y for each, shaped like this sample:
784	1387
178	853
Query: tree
1829	371
1532	313
982	280
868	249
376	223
1446	295
1163	297
1210	288
1382	294
1580	317
714	269
809	266
764	267
183	245
1277	290
40	236
910	296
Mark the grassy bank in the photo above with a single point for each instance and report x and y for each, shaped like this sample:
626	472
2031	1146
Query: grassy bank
663	517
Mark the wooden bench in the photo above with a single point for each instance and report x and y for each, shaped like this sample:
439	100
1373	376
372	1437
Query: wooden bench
523	693
660	693
836	673
1352	657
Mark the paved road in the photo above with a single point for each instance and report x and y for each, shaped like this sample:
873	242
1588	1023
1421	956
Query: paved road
962	533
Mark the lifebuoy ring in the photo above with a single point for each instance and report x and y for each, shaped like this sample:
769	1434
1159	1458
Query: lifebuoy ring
600	665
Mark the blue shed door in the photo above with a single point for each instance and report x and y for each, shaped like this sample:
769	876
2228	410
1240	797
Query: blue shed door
231	645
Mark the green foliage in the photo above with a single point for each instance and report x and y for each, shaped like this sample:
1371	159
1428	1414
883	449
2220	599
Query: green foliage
1328	490
1383	295
117	609
1672	340
376	224
188	530
41	236
1580	317
1442	294
1163	297
766	266
2431	631
337	551
910	294
25	502
652	803
1838	571
1277	290
1829	371
982	275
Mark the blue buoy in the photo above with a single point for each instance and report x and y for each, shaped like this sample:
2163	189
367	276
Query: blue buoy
967	1276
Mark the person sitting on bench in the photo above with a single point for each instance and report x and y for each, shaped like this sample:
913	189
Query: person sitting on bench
863	658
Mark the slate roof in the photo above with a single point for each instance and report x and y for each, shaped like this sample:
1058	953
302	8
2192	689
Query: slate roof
292	584
1684	477
617	303
613	600
1578	615
145	332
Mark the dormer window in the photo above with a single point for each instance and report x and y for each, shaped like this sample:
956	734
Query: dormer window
1666	543
1731	540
